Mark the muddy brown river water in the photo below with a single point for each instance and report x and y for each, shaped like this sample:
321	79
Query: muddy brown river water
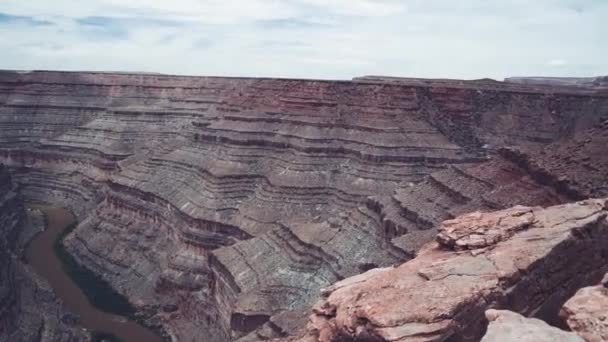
41	256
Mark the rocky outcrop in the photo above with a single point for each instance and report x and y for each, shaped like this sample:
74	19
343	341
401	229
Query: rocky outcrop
526	259
221	206
587	312
29	310
508	326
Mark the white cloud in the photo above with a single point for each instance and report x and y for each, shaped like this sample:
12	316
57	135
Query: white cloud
361	8
557	62
309	38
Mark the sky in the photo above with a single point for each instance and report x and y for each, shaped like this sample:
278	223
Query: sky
326	39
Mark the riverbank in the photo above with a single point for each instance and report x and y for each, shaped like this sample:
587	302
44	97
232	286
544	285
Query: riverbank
99	293
105	313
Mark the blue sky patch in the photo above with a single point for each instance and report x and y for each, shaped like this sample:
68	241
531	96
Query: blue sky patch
310	38
10	19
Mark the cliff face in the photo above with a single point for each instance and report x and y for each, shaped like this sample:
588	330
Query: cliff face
29	311
526	259
221	207
11	215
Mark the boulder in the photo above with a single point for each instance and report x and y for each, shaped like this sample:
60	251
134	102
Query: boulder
508	326
587	312
525	259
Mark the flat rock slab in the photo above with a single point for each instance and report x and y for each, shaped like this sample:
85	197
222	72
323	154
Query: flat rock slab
529	260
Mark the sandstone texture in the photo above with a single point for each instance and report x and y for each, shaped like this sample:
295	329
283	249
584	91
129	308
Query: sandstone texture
526	259
222	206
587	312
508	326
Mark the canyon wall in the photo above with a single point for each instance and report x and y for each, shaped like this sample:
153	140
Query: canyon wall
221	206
29	310
11	217
526	259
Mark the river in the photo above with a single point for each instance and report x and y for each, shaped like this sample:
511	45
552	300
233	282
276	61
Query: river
41	256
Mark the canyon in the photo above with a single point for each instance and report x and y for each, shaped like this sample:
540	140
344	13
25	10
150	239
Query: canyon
527	259
242	209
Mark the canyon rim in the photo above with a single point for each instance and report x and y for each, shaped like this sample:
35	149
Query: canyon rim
258	209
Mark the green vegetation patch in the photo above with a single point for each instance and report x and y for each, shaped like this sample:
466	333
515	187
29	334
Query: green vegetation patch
99	293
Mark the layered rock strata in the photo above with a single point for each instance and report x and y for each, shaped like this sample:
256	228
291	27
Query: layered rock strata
599	83
11	216
526	259
29	310
220	206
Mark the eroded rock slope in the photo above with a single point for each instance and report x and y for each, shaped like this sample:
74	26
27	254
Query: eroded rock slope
221	206
526	259
29	310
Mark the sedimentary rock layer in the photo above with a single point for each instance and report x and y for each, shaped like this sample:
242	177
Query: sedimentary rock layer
598	83
29	311
526	259
11	215
220	206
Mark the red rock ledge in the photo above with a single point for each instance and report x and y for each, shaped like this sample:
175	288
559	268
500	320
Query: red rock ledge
526	259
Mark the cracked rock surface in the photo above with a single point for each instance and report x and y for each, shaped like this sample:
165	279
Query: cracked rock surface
508	326
541	257
221	206
587	312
